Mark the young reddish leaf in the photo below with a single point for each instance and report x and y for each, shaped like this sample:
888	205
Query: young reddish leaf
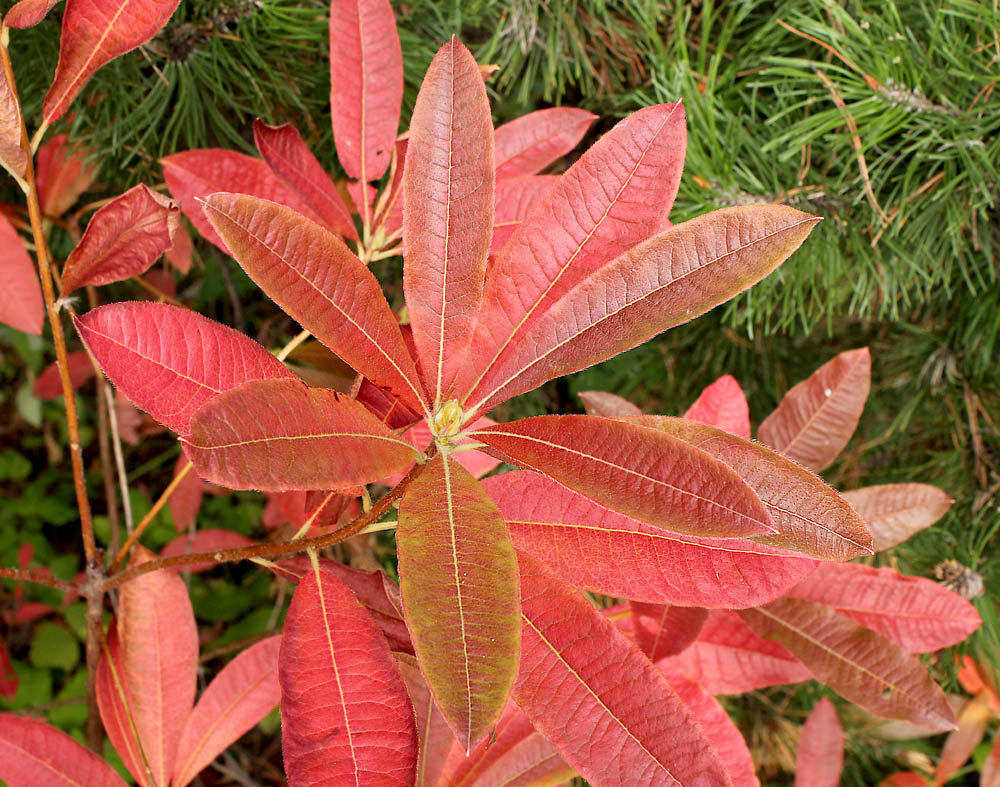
433	733
722	405
181	252
13	157
477	463
123	239
531	142
640	472
729	658
590	692
663	630
313	276
93	34
49	384
860	665
606	552
973	718
918	615
62	173
284	150
345	715
608	201
366	85
277	435
515	199
447	213
607	405
28	13
243	693
21	306
458	577
35	754
667	280
186	499
894	512
810	516
817	417
203	541
384	406
821	748
170	361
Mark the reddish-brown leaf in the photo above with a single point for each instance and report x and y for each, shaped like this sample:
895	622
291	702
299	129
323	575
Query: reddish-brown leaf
447	213
600	550
366	85
13	156
170	361
608	405
62	172
21	306
514	201
664	281
820	757
203	541
123	239
49	384
28	13
8	677
990	776
589	691
384	406
817	417
313	276
186	499
907	779
433	733
458	577
243	692
918	615
722	405
860	665
640	472
346	717
95	33
663	630
973	718
291	160
35	754
894	512
530	143
277	435
181	253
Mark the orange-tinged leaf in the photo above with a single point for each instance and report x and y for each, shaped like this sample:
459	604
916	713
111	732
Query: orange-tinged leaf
170	361
606	552
278	435
63	172
36	754
530	143
123	239
820	758
186	499
366	85
462	769
608	405
817	417
860	665
434	736
973	718
664	281
13	156
49	384
447	213
346	717
383	405
458	577
640	472
93	34
21	306
990	776
28	13
115	707
531	762
181	252
663	630
313	276
243	693
514	201
722	405
906	779
209	540
894	512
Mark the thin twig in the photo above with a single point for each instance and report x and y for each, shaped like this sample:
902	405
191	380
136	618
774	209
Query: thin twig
38	577
109	401
105	419
873	83
292	344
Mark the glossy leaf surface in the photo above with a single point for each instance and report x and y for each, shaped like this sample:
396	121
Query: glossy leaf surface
49	384
722	405
514	201
528	144
608	405
458	577
22	306
277	435
894	512
820	757
28	13
63	172
817	417
663	630
170	361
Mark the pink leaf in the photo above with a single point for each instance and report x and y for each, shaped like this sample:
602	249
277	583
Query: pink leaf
186	499
21	306
894	512
821	748
63	172
722	405
243	692
663	630
203	541
817	417
170	361
515	199
433	733
49	384
13	156
530	143
28	13
608	405
344	709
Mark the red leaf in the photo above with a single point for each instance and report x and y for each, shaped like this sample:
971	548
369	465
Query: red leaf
664	281
637	471
123	239
447	213
908	779
313	276
366	85
170	361
608	405
990	776
959	745
600	550
515	199
28	13
663	630
590	692
21	306
817	417
894	512
49	384
477	463
344	709
918	615
8	677
433	733
821	748
181	253
243	693
386	407
35	754
722	405
186	499
285	152
390	204
95	33
203	541
62	172
13	156
531	142
458	577
277	435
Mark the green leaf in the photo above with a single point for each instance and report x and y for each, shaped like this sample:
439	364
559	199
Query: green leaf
13	466
53	645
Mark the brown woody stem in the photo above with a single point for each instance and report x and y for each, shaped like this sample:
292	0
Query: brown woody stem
38	577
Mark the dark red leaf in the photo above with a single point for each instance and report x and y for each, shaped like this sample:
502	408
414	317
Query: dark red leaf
49	384
62	172
663	630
